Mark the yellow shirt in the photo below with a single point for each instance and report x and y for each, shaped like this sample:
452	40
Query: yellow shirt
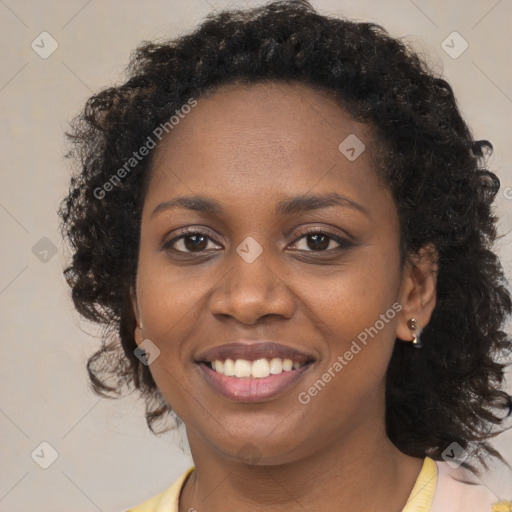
426	490
166	501
422	494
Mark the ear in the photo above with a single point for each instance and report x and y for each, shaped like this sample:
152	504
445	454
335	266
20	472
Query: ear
418	290
138	332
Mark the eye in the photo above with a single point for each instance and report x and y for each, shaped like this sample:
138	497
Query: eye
319	241
189	241
196	241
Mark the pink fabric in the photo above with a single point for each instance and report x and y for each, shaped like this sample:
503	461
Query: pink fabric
458	490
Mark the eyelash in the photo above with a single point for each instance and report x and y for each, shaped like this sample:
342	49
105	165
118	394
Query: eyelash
344	243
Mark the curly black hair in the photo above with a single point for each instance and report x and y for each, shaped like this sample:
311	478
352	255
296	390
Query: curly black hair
452	390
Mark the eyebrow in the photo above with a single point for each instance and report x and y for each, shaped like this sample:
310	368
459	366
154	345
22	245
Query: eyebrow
293	205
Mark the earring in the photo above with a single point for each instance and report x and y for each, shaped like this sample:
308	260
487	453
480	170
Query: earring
416	342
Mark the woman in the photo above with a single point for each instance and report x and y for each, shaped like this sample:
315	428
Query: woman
286	226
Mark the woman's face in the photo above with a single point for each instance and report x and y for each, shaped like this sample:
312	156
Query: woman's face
249	285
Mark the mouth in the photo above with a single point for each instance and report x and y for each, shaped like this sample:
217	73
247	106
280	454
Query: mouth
253	371
258	369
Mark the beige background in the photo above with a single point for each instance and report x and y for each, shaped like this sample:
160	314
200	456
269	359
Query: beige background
107	459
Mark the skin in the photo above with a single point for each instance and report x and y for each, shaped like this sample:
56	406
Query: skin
250	147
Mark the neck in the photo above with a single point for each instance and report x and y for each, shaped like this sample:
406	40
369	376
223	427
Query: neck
362	471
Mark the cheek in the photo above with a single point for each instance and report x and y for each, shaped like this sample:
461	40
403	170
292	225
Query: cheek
358	322
173	304
354	310
358	293
168	305
169	301
167	294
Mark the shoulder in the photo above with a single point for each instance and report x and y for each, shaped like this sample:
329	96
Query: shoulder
166	501
458	490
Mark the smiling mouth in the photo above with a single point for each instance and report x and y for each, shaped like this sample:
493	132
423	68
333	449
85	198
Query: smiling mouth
253	371
258	369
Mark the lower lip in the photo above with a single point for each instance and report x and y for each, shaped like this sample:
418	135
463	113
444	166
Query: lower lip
252	389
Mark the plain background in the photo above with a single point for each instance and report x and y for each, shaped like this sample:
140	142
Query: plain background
107	458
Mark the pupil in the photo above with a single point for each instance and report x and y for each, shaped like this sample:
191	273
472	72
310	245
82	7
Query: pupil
323	245
192	246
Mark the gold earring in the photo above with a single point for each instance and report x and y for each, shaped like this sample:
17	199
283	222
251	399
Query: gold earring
415	332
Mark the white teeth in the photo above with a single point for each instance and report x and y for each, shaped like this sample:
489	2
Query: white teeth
229	367
287	365
276	366
258	369
242	368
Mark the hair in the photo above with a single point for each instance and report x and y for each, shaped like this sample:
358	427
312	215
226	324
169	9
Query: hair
452	390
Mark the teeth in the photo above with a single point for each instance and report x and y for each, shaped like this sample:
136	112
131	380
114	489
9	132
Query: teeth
242	368
287	365
229	367
258	369
276	366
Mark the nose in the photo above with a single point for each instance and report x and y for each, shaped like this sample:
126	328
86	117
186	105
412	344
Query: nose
252	290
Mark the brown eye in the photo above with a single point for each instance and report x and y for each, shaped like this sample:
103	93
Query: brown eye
320	241
189	242
195	242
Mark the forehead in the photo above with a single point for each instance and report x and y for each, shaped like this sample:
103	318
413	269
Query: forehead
263	139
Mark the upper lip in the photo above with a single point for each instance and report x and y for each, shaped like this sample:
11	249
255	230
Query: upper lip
253	350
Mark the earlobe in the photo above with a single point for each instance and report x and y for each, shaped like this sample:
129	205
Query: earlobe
138	334
416	332
417	294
